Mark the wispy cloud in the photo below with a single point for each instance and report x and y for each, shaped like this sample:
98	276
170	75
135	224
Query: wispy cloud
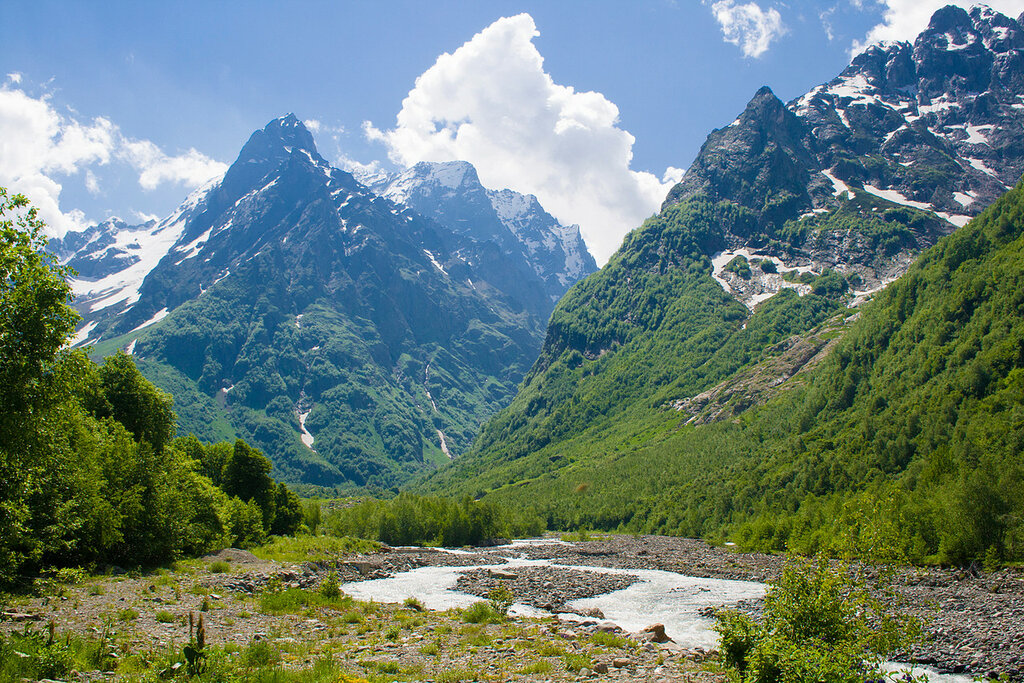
155	168
40	146
491	103
748	26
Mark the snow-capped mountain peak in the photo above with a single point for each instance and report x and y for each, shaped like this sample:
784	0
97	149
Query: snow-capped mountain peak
451	193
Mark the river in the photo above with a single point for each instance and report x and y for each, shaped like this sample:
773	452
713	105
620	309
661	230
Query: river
665	597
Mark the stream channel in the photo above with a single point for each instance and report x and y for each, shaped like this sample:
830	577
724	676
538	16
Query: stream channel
665	597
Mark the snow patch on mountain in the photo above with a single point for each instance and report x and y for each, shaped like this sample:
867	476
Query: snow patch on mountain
149	246
307	439
761	285
434	260
157	317
82	335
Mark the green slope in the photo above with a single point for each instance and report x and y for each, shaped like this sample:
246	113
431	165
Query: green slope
652	326
910	430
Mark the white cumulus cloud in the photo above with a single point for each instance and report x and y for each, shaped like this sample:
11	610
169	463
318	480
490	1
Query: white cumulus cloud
40	146
748	26
491	103
904	19
37	145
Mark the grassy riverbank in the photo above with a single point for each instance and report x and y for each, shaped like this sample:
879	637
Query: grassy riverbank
266	619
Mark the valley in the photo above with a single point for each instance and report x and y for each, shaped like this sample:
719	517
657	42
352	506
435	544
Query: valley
288	430
416	630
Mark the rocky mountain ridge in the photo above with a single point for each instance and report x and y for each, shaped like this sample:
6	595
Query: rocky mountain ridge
916	138
451	193
352	339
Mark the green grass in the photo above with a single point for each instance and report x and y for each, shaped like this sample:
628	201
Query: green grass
457	675
577	663
482	613
610	640
220	567
127	614
540	667
313	548
164	617
260	654
295	600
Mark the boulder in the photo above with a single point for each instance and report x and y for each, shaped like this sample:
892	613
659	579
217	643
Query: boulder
656	633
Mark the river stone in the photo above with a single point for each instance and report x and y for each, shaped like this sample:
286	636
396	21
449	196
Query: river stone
656	633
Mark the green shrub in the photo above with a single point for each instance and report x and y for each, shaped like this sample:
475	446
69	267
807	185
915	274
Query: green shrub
820	624
740	266
482	613
220	567
737	634
329	587
164	617
500	599
414	604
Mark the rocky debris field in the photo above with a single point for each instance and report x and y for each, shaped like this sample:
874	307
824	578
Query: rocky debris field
546	588
976	619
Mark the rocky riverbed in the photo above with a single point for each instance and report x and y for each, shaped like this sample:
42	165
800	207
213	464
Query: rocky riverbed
976	619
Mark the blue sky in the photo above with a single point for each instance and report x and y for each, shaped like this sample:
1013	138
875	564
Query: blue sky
142	99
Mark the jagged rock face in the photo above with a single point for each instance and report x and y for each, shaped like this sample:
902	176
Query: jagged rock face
102	249
352	339
937	126
544	250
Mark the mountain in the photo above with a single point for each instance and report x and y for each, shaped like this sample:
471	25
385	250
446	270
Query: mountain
909	141
353	340
451	193
742	287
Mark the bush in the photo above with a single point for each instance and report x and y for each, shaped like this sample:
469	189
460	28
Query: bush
482	613
329	587
500	599
220	567
820	623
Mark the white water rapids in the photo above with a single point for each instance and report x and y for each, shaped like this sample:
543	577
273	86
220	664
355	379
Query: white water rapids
672	599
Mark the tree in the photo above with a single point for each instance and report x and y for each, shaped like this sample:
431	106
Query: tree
35	322
287	512
35	318
135	402
247	476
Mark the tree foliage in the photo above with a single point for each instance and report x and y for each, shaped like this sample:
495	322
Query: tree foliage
89	472
822	621
426	520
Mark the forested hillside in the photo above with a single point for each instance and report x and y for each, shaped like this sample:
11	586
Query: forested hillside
650	327
910	431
